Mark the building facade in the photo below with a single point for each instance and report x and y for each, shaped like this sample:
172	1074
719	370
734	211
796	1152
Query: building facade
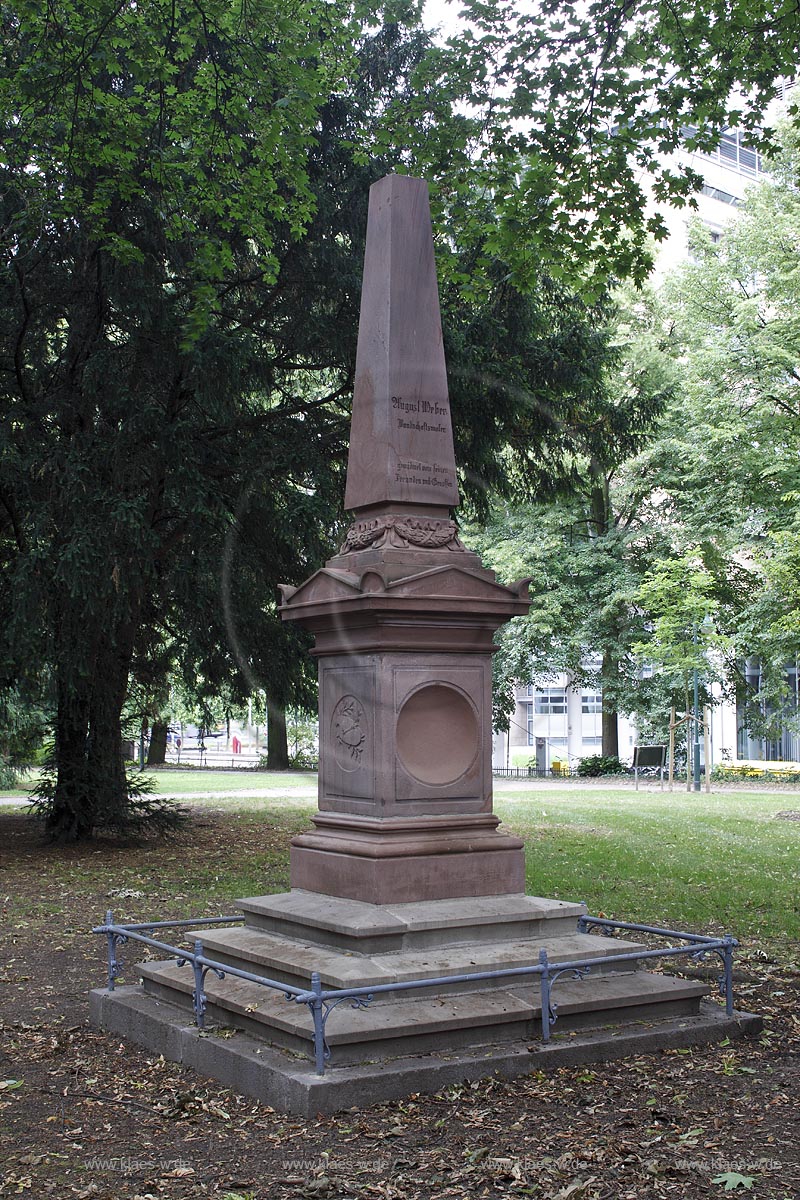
557	725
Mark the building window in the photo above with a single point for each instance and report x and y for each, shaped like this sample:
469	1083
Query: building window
723	197
733	153
531	735
552	701
592	702
592	741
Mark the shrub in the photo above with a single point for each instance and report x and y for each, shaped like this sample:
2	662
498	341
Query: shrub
9	775
304	760
142	815
601	764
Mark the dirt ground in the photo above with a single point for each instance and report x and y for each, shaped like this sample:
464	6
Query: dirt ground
83	1115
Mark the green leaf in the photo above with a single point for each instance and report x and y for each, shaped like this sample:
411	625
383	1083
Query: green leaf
733	1180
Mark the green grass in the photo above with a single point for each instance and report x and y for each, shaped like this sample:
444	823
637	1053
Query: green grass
183	782
721	862
714	863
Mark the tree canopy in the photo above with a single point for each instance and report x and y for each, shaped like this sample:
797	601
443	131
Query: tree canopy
731	474
185	216
699	564
155	180
571	114
588	534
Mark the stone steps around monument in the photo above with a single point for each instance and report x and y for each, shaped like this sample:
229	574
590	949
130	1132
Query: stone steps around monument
290	961
443	1022
378	929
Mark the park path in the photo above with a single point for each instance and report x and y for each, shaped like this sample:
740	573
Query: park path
505	788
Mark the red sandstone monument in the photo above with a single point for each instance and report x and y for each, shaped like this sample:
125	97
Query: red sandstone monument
403	616
405	875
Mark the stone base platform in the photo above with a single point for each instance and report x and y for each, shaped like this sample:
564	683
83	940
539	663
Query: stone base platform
355	944
289	1083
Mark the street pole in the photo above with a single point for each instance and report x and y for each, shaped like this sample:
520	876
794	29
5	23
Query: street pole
696	723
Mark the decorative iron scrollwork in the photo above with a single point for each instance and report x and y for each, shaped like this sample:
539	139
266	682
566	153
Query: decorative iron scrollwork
327	1008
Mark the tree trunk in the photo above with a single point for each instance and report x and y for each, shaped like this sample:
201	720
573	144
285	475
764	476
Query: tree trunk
610	734
69	818
91	788
610	718
277	746
157	753
107	777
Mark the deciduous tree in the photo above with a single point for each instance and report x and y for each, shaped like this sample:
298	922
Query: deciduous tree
590	533
571	114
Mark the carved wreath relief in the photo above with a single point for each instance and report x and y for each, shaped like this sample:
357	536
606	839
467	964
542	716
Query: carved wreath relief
429	533
348	733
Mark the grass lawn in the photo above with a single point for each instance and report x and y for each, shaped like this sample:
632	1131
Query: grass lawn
182	783
725	862
187	782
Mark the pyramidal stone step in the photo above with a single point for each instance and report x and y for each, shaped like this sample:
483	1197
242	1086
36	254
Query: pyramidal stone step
413	1023
376	929
406	1025
290	961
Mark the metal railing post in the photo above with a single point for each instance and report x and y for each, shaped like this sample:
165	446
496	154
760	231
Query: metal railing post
319	1027
727	958
112	951
545	995
199	996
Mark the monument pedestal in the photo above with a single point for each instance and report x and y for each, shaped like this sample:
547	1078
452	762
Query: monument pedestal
405	786
395	860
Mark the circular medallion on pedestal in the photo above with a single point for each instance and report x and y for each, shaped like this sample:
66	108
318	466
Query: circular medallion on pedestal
348	733
437	735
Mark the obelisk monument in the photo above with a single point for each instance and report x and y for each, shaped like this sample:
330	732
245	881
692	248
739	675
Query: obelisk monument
403	615
401	439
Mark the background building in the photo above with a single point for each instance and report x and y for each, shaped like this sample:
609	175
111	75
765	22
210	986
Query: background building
556	724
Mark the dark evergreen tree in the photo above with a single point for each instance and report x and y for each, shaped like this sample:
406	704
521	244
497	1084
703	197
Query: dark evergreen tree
154	171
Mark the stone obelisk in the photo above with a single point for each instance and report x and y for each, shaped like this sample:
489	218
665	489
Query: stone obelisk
403	615
401	440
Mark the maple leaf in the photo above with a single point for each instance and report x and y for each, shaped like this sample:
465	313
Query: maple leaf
733	1180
